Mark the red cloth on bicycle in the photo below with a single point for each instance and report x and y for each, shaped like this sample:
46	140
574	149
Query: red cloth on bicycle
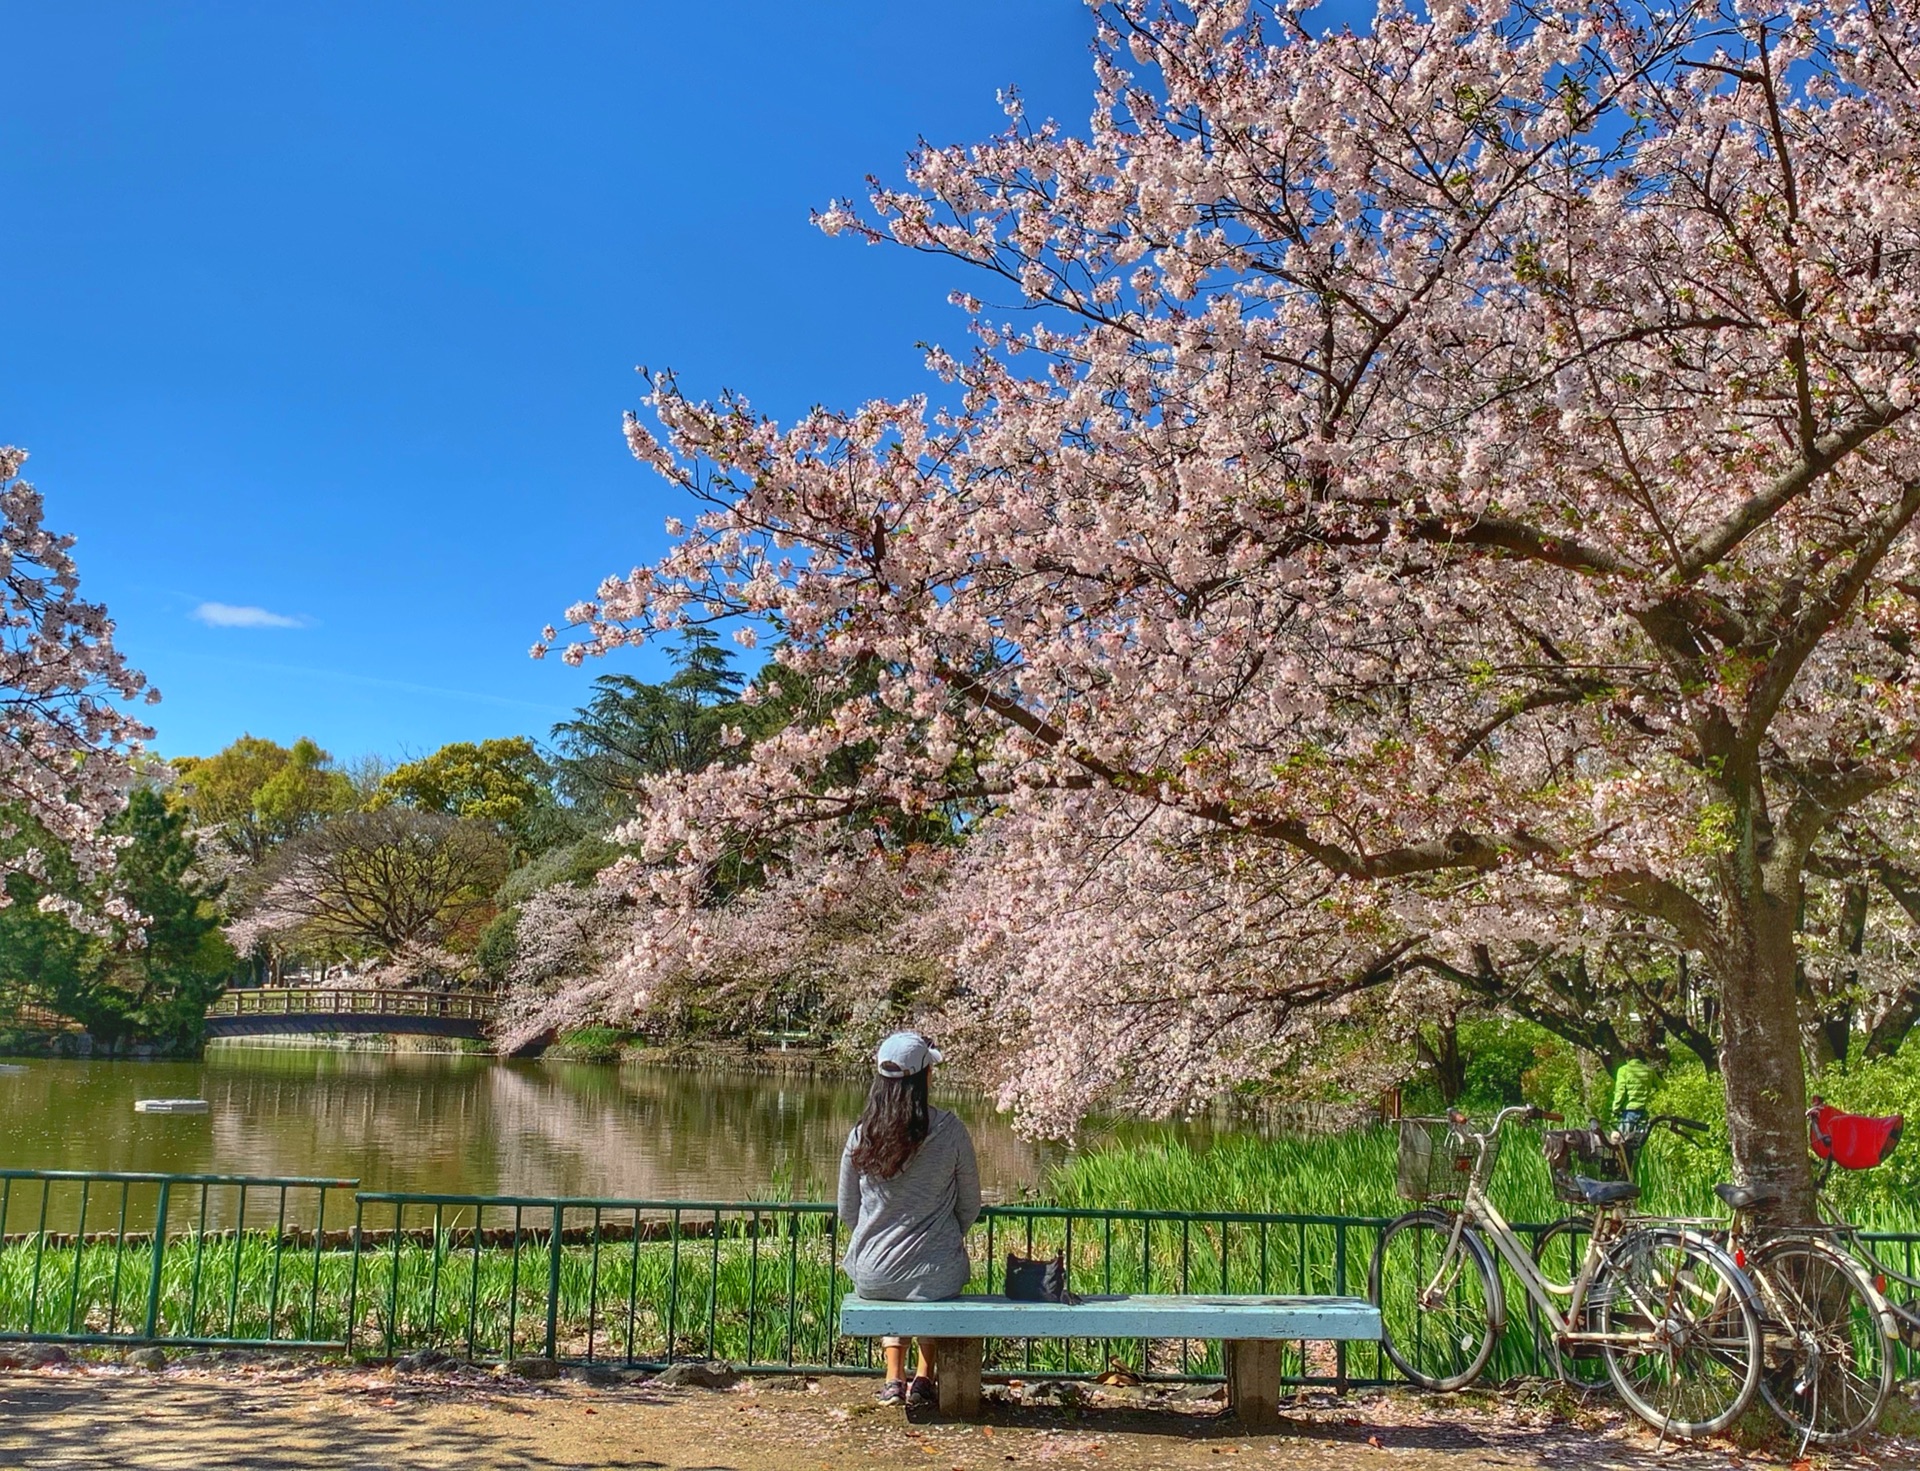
1854	1141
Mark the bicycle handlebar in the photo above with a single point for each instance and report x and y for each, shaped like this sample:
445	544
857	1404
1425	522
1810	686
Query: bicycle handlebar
1524	1111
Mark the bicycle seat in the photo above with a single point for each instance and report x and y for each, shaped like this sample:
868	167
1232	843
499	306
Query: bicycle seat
1745	1197
1606	1192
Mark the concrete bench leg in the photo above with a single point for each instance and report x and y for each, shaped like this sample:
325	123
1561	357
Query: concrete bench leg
956	1373
1253	1381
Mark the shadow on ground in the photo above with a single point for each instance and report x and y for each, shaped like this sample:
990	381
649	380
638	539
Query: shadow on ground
92	1420
371	1420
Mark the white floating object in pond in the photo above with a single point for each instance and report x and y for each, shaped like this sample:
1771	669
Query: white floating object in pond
170	1105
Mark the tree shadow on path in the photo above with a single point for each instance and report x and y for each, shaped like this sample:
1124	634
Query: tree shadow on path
171	1425
372	1420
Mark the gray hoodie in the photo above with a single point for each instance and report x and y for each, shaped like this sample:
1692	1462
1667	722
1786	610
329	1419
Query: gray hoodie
907	1233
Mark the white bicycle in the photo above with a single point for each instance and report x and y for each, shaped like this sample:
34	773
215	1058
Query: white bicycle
1668	1311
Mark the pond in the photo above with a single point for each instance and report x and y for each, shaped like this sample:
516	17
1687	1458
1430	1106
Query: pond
472	1125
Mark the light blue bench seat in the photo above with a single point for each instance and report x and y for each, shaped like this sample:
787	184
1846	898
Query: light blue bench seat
1251	1328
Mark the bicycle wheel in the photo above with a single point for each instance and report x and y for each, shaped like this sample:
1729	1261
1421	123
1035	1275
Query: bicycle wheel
1829	1367
1560	1252
1696	1359
1441	1308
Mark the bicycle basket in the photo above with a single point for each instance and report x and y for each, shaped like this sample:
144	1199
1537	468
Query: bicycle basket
1853	1141
1436	1159
1574	1152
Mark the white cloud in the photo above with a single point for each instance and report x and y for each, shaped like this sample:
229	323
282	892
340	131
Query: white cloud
230	615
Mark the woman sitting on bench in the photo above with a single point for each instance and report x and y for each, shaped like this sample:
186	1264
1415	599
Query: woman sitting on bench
909	1189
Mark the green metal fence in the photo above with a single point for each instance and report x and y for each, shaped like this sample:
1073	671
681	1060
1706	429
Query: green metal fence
190	1260
204	1260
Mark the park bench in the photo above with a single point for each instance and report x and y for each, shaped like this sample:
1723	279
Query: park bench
1250	1328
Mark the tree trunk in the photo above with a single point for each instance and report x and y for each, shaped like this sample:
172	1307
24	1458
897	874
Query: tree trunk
1886	1035
1760	1055
1443	1056
1594	1085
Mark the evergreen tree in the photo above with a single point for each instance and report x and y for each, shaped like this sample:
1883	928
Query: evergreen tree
630	730
119	983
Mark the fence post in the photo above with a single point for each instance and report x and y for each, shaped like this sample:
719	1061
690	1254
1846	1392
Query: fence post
1340	1290
159	1261
353	1270
553	1284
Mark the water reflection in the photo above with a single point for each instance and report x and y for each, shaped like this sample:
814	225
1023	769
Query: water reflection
465	1125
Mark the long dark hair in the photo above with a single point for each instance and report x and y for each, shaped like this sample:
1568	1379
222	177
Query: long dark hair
892	1124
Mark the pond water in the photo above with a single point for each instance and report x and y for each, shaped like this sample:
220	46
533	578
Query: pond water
455	1124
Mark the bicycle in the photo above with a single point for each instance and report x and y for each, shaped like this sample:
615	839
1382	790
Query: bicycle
1828	1292
1561	1248
1828	1366
1857	1142
1668	1312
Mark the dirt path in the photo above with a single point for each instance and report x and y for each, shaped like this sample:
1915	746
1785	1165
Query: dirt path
302	1419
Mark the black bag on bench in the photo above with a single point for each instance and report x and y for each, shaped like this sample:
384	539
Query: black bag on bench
1037	1280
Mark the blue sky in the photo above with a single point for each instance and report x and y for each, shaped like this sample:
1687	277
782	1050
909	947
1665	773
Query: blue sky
331	310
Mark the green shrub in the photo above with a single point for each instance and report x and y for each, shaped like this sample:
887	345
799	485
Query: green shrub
1884	1197
592	1044
1881	1085
1499	1054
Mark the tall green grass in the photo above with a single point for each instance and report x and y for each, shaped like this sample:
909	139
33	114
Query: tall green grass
1353	1174
767	1299
210	1287
760	1300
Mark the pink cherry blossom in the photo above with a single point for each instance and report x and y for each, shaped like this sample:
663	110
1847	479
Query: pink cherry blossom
1446	481
66	746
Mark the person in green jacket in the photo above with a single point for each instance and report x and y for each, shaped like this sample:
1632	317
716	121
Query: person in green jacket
1633	1089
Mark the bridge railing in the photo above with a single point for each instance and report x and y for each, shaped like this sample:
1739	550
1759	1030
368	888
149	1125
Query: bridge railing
229	1260
346	1001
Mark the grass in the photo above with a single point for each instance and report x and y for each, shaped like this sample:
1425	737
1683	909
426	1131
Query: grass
1353	1174
624	1300
592	1044
1350	1174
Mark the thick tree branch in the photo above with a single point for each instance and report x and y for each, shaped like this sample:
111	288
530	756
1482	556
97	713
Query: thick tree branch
1758	509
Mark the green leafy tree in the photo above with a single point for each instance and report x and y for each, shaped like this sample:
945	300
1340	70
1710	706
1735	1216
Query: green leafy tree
257	794
504	784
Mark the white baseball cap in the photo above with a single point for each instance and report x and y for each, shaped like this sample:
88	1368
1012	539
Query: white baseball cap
904	1054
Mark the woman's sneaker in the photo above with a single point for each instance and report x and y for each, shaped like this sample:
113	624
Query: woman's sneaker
893	1392
921	1392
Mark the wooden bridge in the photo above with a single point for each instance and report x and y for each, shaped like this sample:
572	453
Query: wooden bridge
280	1010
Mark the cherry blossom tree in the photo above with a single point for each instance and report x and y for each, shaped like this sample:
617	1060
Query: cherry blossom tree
390	882
844	936
1467	465
66	746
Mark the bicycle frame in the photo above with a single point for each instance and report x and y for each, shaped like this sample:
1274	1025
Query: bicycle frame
1906	1315
1478	1211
